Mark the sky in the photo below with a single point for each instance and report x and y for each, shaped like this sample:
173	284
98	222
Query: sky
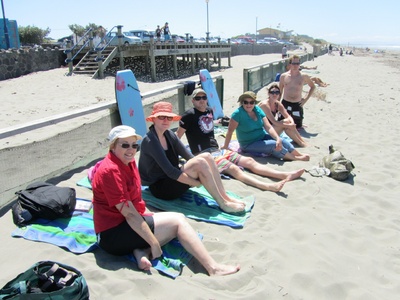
345	22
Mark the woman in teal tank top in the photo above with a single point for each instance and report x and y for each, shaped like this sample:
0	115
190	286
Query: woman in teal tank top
256	135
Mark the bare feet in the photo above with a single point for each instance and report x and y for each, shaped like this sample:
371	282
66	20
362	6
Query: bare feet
222	270
302	144
295	174
276	186
303	157
233	206
142	258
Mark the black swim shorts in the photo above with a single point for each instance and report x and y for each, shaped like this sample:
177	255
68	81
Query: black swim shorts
295	110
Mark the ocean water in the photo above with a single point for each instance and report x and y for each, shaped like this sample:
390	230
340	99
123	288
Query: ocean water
391	48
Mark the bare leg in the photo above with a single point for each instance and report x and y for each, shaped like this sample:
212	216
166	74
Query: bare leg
238	174
143	258
296	155
293	134
263	170
169	225
204	168
296	137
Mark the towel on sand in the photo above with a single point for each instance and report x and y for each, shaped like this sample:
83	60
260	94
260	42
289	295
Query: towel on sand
76	234
196	204
174	258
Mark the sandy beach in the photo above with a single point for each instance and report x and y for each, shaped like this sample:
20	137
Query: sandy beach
316	239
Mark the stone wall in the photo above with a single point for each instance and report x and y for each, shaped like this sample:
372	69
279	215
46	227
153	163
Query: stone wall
18	62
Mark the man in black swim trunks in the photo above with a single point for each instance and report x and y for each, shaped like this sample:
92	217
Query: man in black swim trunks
291	85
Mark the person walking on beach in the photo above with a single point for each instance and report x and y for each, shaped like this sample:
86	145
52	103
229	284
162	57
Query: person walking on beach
161	169
291	86
284	52
255	134
197	123
121	222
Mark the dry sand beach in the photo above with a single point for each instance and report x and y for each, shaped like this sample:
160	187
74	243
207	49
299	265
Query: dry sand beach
317	239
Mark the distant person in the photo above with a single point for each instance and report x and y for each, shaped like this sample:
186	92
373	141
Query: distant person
168	178
158	34
305	68
284	52
291	86
256	135
167	32
279	117
197	123
121	221
319	82
330	48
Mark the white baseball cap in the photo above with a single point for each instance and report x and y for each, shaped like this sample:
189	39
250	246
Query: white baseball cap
122	131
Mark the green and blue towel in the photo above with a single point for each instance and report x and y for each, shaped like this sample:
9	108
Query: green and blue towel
196	204
77	235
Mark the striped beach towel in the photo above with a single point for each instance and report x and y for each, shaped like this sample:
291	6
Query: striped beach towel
76	234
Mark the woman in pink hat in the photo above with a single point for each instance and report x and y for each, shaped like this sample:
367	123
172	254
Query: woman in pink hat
161	169
121	222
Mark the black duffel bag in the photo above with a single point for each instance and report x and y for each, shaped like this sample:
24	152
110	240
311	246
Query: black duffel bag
43	200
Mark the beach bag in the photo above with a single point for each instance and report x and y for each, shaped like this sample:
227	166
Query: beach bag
189	87
225	121
339	166
43	200
47	280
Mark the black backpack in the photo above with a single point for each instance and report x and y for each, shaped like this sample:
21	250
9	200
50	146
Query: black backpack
43	200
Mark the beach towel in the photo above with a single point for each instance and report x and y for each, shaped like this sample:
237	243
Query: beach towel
198	204
174	258
76	234
85	182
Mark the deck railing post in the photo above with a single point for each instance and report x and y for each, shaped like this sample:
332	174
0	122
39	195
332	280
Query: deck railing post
152	60
121	56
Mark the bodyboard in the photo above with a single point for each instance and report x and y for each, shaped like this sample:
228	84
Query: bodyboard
208	86
129	101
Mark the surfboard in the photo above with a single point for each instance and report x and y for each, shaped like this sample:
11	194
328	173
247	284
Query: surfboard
129	101
208	86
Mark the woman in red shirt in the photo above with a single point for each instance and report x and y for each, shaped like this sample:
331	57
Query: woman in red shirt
121	222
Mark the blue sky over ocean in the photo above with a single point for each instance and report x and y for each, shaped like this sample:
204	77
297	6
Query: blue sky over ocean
360	23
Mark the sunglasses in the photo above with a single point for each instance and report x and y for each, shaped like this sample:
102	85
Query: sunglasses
198	98
249	102
165	117
295	64
127	146
274	92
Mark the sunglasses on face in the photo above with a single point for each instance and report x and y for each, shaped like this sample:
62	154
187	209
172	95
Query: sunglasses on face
274	92
249	102
127	146
165	117
295	63
198	98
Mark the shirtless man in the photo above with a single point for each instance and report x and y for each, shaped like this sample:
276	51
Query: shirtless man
291	86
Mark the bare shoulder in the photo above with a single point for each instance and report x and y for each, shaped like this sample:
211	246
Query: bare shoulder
264	104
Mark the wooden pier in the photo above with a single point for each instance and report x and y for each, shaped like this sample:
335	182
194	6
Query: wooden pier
96	59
